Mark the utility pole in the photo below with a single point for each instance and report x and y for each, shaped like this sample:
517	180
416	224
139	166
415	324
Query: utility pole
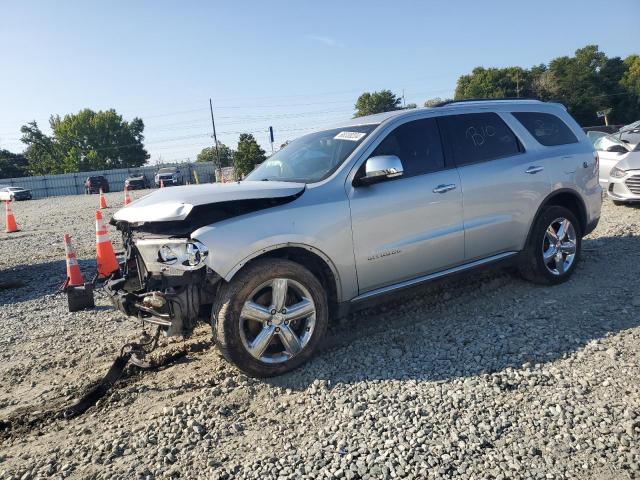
404	105
517	86
215	139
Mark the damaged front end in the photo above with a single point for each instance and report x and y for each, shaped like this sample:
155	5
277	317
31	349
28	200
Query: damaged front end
164	281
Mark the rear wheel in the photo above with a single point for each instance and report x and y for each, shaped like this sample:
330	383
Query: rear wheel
271	317
554	246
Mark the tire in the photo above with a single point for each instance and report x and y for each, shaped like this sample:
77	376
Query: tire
532	264
235	334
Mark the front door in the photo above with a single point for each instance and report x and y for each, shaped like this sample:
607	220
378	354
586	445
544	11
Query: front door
412	225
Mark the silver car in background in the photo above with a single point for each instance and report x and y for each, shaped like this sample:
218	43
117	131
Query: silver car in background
350	214
619	167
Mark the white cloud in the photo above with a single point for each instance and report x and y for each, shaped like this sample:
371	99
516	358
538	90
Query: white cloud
327	41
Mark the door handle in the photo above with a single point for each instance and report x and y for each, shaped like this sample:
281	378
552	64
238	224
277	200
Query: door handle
534	169
444	188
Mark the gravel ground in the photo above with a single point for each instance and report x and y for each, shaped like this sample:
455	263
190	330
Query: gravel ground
480	377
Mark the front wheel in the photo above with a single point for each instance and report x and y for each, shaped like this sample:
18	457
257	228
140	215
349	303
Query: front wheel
270	318
553	249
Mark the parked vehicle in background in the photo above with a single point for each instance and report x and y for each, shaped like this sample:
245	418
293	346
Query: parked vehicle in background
619	171
94	183
169	176
349	214
18	193
136	181
630	134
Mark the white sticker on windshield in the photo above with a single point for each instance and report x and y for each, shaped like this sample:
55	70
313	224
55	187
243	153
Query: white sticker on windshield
353	136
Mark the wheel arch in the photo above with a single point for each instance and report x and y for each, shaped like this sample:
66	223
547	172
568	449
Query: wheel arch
309	257
564	197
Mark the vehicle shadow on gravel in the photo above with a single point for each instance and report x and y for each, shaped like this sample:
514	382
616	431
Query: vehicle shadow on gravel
29	282
481	323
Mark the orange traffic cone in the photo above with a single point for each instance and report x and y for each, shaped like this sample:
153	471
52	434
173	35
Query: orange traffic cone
74	275
103	201
10	219
105	256
222	176
161	183
127	198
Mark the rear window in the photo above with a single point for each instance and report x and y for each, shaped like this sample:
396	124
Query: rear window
547	129
479	137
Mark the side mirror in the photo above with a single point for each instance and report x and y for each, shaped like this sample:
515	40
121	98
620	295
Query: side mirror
382	167
617	149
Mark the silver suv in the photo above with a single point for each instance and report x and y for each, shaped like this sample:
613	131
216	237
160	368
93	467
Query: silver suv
348	214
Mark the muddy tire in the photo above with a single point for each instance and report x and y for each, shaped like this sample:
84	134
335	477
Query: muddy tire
553	249
270	318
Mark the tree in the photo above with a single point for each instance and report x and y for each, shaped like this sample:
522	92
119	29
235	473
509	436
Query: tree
376	102
208	154
434	102
84	141
43	155
410	106
586	82
511	82
247	156
12	165
631	78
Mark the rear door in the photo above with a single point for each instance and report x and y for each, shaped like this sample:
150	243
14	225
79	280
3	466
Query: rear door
412	225
502	185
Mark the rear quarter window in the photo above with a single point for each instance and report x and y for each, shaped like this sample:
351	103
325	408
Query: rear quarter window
479	137
546	128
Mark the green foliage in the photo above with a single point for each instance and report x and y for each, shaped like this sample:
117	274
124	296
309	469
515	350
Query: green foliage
84	141
434	102
376	102
12	165
208	154
247	156
409	106
585	83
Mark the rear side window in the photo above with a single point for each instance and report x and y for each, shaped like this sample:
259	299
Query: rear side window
479	137
418	146
547	129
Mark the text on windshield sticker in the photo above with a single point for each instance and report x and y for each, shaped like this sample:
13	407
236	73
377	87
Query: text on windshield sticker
353	136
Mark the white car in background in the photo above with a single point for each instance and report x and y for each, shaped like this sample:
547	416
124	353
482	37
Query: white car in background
619	168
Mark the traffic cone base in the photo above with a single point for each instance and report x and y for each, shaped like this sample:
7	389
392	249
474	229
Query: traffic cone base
74	275
105	256
127	198
11	225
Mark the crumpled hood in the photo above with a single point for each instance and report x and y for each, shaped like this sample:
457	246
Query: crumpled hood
175	203
630	162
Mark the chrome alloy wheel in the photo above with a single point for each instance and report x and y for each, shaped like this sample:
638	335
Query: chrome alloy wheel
559	246
277	320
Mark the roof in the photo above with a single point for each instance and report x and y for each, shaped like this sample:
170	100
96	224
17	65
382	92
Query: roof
381	117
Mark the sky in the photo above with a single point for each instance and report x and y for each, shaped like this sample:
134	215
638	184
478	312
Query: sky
294	65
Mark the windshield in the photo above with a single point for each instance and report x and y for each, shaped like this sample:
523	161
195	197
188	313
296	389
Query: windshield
606	141
313	157
167	170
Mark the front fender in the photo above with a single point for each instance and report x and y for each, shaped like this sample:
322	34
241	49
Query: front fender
322	228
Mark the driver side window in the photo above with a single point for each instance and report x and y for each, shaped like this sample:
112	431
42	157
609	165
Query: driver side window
418	146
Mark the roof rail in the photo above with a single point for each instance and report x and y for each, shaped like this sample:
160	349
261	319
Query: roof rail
466	100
